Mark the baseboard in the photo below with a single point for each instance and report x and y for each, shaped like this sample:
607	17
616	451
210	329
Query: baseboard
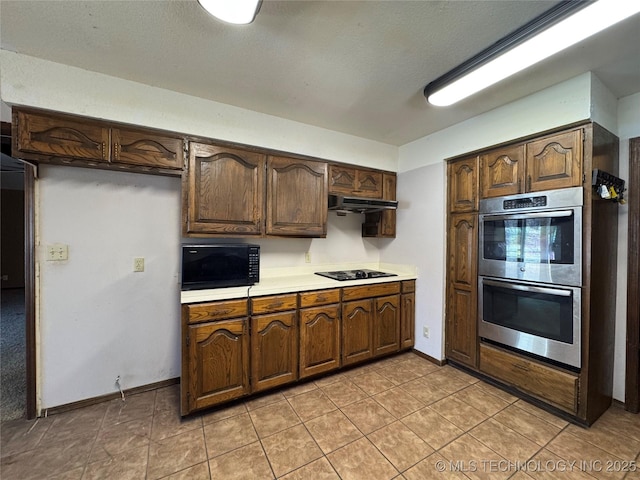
109	396
440	363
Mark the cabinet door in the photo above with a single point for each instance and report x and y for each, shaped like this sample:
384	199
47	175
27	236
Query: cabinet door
274	350
368	184
61	136
218	356
225	190
355	182
461	311
463	185
342	180
357	322
382	224
296	197
386	325
408	319
555	162
502	171
137	147
319	340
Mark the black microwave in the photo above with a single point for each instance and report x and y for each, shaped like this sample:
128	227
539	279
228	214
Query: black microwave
220	265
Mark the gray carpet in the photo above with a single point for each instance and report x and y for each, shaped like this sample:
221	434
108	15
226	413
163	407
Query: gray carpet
13	382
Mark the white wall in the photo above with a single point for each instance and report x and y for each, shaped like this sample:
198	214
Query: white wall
628	127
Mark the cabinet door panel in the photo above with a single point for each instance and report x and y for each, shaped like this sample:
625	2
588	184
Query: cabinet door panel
463	185
408	320
60	136
368	184
386	326
342	180
146	148
225	190
461	329
502	171
357	322
555	162
319	340
463	248
274	350
296	197
218	362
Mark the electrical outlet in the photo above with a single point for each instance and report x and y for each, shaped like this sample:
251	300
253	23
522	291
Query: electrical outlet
307	257
138	264
425	332
57	252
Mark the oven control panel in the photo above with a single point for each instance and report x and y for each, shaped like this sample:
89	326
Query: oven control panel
527	202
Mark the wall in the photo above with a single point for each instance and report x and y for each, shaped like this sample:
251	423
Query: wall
628	127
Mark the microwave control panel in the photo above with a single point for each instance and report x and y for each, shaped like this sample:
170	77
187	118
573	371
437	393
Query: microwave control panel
528	202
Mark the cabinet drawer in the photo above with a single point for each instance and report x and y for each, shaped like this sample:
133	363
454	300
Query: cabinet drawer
274	303
205	312
369	291
408	286
555	386
321	297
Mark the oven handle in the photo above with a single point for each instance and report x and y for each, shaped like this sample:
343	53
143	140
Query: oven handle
555	214
527	288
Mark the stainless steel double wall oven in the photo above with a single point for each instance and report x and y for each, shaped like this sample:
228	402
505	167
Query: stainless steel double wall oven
530	273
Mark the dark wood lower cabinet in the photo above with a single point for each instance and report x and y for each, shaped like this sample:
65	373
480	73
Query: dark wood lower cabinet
319	340
408	314
357	323
386	325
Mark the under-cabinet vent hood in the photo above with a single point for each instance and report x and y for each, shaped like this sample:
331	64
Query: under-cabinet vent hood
343	205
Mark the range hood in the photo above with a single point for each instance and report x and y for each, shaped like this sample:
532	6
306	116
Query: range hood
343	204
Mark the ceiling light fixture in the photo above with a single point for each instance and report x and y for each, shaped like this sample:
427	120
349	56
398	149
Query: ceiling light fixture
238	12
566	24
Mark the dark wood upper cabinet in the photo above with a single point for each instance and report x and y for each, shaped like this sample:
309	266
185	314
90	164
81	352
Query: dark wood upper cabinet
502	171
296	197
463	185
555	162
137	147
383	224
224	191
358	182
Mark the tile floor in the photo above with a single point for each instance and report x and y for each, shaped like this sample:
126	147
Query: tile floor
399	418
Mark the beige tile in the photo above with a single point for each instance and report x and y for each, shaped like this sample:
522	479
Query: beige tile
619	420
81	422
616	442
57	457
431	427
458	412
398	373
505	441
351	373
175	453
544	415
527	424
264	400
197	472
312	404
398	402
319	469
246	463
521	476
443	380
229	434
130	464
75	474
434	467
168	399
454	372
332	431
116	438
290	449
273	418
549	466
419	365
329	379
18	436
167	423
400	445
368	415
372	383
299	389
224	412
481	399
477	460
360	460
343	393
507	397
423	391
134	407
572	448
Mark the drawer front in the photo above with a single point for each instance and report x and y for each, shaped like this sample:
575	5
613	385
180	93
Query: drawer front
274	303
321	297
369	291
555	386
408	286
205	312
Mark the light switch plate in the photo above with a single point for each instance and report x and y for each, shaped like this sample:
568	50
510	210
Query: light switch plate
138	264
57	252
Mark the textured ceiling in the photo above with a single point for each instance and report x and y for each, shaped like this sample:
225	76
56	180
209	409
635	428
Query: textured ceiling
357	67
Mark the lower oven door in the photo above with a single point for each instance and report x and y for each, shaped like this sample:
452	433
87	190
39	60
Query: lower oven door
539	319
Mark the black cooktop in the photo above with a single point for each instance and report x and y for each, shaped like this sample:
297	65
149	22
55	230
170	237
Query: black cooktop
344	275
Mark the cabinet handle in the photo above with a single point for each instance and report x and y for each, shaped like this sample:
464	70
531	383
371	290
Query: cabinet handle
521	367
519	186
529	183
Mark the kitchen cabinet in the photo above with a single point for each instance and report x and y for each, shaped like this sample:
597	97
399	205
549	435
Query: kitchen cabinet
353	181
382	224
408	314
50	137
215	353
224	191
370	325
550	162
274	341
320	324
462	178
296	197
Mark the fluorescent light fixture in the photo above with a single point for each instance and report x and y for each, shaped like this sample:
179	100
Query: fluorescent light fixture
560	27
239	12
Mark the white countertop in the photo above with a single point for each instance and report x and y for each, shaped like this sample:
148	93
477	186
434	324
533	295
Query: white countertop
274	281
